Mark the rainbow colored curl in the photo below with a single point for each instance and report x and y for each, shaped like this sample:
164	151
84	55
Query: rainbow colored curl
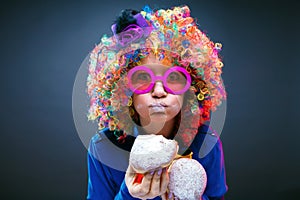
174	38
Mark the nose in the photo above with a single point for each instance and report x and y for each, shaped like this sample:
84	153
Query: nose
158	90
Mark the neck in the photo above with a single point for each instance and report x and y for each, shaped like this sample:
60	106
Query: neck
159	128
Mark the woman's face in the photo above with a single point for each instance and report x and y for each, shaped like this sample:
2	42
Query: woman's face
157	106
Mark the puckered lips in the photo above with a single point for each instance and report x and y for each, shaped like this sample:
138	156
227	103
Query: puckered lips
157	108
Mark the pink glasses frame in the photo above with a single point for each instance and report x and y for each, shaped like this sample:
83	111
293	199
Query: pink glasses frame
155	78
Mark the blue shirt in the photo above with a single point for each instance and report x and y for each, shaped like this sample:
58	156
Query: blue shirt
108	161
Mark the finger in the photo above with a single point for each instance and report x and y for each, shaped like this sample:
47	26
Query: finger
133	187
130	171
155	184
164	181
129	176
164	196
170	196
143	188
167	196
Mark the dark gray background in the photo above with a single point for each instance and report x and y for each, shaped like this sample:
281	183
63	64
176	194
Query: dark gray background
43	44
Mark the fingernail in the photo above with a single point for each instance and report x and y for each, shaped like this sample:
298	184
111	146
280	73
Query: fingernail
170	195
159	172
152	172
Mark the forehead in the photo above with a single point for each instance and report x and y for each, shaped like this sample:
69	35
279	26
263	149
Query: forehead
154	64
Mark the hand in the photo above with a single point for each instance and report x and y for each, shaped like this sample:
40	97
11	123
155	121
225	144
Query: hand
168	196
153	184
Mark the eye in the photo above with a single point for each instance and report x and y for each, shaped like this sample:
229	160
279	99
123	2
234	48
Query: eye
173	76
176	77
141	77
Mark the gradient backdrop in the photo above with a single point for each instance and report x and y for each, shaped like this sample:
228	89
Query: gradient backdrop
43	44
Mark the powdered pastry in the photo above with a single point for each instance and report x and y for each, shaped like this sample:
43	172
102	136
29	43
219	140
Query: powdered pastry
150	152
187	179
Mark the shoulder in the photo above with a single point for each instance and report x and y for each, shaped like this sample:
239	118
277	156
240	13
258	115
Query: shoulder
107	152
206	141
97	141
206	129
97	137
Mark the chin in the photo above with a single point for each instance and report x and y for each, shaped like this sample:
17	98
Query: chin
159	118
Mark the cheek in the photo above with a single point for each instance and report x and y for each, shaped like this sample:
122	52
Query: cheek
140	104
175	103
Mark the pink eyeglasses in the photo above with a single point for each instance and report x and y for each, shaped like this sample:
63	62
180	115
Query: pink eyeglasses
176	80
